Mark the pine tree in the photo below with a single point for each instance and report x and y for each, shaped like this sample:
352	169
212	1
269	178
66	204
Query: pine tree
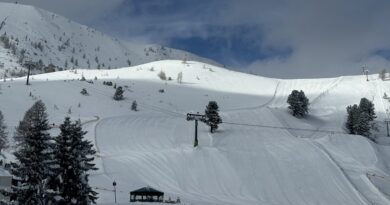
352	118
34	166
83	77
162	75
118	93
213	118
298	103
382	74
84	91
134	106
3	133
367	106
360	118
363	126
74	155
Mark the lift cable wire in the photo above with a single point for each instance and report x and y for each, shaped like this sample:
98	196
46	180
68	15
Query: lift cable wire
181	115
282	127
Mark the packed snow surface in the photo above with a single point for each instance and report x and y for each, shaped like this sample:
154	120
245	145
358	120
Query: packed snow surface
251	159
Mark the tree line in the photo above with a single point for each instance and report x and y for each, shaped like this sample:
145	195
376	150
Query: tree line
360	118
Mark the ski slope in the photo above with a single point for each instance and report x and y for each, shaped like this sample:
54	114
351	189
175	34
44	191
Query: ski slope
251	159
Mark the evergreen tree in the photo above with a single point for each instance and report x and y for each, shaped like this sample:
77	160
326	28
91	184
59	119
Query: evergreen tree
363	126
74	155
382	74
134	106
352	118
118	93
360	119
213	118
84	91
83	77
34	166
298	103
3	133
367	106
162	75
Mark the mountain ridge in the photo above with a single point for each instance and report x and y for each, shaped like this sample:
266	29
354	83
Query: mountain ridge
45	38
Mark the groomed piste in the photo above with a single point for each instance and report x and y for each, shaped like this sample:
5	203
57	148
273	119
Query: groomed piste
259	155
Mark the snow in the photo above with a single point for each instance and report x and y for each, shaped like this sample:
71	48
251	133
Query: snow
236	165
31	25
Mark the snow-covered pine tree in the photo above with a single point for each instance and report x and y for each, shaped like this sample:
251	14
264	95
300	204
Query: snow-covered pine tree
298	103
134	106
213	118
363	126
118	93
162	75
360	118
367	106
352	118
74	155
382	74
3	133
82	77
34	158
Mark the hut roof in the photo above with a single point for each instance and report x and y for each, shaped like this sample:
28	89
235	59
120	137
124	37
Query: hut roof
147	190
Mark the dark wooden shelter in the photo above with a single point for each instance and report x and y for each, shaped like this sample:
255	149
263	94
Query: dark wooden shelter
146	194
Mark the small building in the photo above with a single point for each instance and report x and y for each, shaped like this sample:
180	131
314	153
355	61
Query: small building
146	194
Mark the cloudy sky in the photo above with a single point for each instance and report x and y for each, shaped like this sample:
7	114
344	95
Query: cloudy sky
276	38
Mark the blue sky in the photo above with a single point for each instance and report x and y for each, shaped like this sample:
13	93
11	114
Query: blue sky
276	38
195	27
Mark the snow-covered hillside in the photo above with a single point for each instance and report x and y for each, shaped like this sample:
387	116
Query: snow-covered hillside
253	158
30	33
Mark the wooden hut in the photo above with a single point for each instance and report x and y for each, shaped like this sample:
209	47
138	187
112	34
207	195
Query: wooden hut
146	194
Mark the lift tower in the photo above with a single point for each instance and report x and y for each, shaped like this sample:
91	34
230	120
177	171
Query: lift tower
196	117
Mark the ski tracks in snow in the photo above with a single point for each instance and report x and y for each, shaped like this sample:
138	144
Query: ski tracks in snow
328	155
259	106
326	91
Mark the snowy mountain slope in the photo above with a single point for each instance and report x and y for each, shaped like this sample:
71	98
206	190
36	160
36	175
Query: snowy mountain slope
256	163
30	33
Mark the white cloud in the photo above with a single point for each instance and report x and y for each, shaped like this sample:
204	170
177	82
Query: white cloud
328	38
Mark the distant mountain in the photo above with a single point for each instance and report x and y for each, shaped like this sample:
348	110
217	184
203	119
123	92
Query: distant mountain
53	42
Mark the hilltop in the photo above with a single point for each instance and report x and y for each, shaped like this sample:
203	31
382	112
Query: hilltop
55	43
